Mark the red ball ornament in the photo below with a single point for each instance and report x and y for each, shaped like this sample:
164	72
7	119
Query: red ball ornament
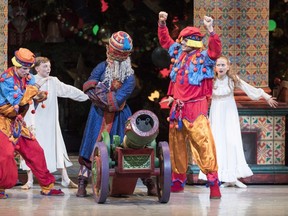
43	105
171	126
16	106
17	147
15	87
20	117
29	77
204	70
2	79
198	54
15	95
195	69
33	111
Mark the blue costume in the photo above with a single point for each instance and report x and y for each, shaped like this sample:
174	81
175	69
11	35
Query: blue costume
112	116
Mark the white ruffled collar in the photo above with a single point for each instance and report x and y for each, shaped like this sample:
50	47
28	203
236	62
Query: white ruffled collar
222	87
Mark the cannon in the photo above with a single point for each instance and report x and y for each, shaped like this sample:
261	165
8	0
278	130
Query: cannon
116	166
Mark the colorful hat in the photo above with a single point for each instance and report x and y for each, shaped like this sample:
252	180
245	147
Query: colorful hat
23	58
193	35
120	46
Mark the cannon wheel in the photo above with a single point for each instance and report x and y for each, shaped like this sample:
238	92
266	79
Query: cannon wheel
100	173
164	178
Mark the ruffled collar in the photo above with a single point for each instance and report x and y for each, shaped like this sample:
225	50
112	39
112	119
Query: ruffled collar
222	87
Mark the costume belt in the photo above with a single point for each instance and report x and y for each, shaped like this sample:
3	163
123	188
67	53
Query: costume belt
177	108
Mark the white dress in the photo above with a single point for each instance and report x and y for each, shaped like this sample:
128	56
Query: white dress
225	125
45	122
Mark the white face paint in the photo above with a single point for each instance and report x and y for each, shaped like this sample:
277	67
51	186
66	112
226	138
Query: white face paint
22	71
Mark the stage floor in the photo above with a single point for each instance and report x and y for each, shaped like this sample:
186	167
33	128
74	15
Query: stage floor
254	200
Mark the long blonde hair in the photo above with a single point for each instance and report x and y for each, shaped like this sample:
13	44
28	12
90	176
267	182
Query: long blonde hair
230	73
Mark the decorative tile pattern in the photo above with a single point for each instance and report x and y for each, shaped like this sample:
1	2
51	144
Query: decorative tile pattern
279	152
245	122
271	140
265	152
3	34
243	28
279	127
265	126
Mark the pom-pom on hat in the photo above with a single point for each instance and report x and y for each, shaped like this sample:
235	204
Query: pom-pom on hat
23	58
193	36
120	46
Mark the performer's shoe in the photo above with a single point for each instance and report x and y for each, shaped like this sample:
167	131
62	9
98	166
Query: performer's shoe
178	182
227	184
27	186
53	192
71	184
213	183
3	195
151	188
240	184
82	184
177	187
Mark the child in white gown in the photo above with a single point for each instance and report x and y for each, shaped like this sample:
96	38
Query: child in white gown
224	120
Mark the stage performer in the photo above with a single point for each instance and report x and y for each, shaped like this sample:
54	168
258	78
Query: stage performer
225	123
17	90
189	91
44	122
109	86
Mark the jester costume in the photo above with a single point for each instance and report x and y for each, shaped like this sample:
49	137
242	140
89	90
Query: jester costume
16	93
191	87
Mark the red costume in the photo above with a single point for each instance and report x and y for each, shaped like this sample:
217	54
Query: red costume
191	87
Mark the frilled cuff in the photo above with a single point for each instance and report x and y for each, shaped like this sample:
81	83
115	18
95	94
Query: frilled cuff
212	33
30	92
90	84
161	24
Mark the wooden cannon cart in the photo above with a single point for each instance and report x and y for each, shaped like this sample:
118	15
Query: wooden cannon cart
116	166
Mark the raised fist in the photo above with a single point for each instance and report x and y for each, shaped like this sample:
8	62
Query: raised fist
163	16
208	22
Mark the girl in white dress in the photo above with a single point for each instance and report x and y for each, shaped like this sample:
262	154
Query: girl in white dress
44	123
224	120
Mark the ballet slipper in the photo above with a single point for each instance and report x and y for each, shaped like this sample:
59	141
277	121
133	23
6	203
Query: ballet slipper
27	186
239	184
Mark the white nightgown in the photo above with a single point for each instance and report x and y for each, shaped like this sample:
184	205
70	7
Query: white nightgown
45	122
226	130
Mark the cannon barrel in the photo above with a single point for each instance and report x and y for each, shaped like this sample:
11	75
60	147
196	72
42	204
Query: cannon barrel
141	129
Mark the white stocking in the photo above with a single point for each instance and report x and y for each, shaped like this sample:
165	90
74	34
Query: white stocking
65	178
30	177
